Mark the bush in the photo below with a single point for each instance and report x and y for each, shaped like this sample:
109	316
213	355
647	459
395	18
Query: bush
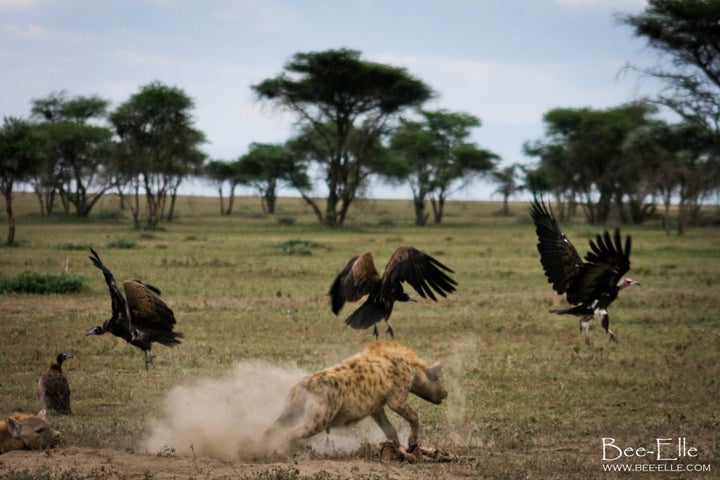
42	283
296	247
121	243
73	246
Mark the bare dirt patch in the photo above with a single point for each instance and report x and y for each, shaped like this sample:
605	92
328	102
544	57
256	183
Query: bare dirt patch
82	463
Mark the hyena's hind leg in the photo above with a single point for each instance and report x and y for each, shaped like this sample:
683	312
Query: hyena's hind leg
302	418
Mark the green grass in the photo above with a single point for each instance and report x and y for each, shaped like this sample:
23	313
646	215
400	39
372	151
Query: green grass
520	379
42	283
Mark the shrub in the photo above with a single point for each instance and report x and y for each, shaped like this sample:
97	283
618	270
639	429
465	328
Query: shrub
121	243
73	246
296	247
42	283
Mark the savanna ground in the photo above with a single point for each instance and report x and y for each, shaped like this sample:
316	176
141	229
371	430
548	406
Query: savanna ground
527	398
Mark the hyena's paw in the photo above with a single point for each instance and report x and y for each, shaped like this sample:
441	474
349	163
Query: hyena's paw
390	451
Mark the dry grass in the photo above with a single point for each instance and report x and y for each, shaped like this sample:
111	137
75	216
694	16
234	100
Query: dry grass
526	396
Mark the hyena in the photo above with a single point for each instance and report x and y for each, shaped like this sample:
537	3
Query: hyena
25	431
382	374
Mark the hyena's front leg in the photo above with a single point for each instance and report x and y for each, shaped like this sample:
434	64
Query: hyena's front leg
392	438
402	408
381	419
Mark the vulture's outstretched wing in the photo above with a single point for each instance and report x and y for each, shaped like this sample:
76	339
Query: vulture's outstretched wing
421	271
558	256
605	266
147	308
120	311
354	281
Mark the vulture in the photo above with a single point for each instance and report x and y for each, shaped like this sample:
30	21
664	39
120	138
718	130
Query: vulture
360	278
590	285
54	387
140	317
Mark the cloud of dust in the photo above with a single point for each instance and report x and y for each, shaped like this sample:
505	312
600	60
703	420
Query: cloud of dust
454	367
226	417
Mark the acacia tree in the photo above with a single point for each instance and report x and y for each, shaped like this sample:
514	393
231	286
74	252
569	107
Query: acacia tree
156	129
507	180
221	172
76	152
369	155
20	156
266	167
339	96
439	159
584	148
687	32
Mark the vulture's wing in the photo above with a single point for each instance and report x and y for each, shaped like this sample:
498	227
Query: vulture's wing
354	281
421	271
55	390
558	256
120	312
605	265
147	308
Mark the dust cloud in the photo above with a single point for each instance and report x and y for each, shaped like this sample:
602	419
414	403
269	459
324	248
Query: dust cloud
226	417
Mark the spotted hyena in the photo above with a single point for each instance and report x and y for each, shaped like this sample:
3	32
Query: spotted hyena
382	374
25	431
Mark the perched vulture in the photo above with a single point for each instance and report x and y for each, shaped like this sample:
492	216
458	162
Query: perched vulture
54	387
141	319
360	278
590	285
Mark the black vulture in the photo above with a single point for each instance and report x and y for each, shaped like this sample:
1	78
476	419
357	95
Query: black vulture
141	319
54	387
590	285
360	278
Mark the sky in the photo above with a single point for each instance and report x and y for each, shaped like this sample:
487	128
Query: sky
505	61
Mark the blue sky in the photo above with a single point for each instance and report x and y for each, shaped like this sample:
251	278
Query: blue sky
507	62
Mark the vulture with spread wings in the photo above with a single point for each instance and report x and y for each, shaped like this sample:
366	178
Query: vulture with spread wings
590	285
360	277
140	317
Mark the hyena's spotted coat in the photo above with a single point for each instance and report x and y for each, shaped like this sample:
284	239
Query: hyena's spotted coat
382	374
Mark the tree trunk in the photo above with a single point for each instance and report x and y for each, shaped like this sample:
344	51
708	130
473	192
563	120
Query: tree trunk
666	216
7	193
421	217
316	210
173	200
222	201
231	199
438	205
270	200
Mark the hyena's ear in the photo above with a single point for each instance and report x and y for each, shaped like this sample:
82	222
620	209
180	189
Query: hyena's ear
41	414
13	427
433	372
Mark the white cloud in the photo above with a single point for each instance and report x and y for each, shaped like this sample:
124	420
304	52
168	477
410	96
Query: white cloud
270	16
137	58
16	4
15	31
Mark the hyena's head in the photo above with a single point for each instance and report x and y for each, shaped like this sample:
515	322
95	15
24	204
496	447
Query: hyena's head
33	430
428	384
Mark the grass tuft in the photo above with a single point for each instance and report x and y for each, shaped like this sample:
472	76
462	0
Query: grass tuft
43	283
296	247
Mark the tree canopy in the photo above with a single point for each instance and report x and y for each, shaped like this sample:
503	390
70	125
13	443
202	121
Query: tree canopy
437	158
343	104
266	167
20	156
156	131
